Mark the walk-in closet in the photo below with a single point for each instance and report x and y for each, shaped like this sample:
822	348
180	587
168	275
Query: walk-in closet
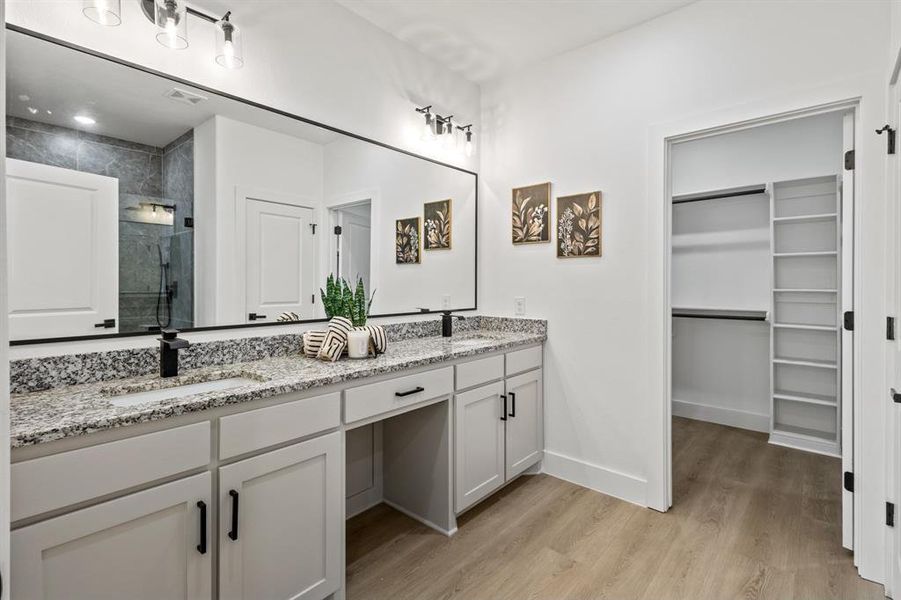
761	280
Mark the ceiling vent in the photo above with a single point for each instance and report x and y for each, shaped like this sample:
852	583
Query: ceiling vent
184	96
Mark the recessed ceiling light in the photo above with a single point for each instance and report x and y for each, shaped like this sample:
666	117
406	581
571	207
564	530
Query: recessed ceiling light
84	119
32	110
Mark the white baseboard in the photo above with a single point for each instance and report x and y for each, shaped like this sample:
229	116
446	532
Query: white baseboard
595	477
723	416
426	522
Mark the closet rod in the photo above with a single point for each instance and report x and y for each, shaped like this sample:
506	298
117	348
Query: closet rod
750	192
726	317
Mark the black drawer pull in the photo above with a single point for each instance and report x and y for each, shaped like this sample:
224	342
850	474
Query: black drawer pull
512	404
233	534
106	324
201	547
504	411
415	390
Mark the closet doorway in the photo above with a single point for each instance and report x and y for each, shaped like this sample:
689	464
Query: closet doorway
761	288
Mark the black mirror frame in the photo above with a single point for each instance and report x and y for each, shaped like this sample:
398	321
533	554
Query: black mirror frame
209	90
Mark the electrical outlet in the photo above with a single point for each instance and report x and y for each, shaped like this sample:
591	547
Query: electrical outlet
445	302
519	306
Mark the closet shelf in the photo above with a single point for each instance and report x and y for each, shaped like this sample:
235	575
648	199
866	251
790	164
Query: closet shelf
817	364
804	432
806	218
807	398
735	314
801	254
805	327
806	290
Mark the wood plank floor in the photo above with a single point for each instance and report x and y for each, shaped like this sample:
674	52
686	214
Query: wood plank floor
749	520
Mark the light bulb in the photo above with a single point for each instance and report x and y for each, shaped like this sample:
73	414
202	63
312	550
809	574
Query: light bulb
468	148
427	133
172	32
229	52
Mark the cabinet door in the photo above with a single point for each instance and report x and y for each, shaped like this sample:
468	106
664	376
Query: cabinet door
479	441
280	523
143	546
525	423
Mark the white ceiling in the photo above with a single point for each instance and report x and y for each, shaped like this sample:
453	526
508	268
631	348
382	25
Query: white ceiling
484	39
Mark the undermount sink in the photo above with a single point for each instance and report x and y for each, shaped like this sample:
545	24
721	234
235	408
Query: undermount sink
179	391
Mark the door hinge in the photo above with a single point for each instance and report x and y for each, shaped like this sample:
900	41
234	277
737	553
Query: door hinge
895	396
890	514
890	142
313	227
848	320
337	230
849	481
849	160
313	299
890	328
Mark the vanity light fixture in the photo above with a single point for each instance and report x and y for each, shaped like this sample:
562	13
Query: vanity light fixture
229	50
171	19
104	12
446	130
427	131
467	131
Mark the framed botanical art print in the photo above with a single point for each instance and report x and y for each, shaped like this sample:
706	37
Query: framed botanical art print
437	225
408	244
579	225
531	214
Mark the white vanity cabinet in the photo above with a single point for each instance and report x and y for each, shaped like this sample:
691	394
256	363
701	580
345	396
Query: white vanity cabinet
499	426
280	520
144	546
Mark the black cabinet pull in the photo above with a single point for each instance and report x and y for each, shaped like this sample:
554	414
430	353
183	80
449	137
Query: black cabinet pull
415	390
504	411
512	404
255	316
201	547
233	534
106	324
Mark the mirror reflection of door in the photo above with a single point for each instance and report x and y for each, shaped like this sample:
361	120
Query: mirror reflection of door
353	244
280	261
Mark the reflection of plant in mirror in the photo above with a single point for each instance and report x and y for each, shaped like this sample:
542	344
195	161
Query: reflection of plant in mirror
339	300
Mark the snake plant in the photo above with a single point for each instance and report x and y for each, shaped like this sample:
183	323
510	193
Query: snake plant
339	300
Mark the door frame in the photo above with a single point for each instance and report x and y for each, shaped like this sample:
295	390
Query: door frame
333	220
261	194
661	139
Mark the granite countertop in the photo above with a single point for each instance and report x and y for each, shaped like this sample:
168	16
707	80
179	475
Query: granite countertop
45	416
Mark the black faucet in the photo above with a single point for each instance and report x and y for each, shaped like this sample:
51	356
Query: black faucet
170	344
447	323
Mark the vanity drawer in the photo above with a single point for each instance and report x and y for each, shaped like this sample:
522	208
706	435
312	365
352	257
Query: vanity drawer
523	360
480	371
59	480
377	398
256	429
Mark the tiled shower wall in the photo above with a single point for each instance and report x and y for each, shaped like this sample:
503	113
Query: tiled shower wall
145	174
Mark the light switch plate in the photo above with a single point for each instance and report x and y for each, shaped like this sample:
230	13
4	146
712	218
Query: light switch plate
519	306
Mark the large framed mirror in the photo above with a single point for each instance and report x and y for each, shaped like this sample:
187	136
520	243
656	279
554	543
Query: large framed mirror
138	202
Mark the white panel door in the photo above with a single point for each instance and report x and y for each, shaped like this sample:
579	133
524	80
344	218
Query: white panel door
525	425
280	269
63	251
280	517
355	248
144	546
479	419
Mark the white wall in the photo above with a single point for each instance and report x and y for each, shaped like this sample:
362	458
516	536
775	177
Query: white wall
795	149
396	183
239	158
721	258
584	120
